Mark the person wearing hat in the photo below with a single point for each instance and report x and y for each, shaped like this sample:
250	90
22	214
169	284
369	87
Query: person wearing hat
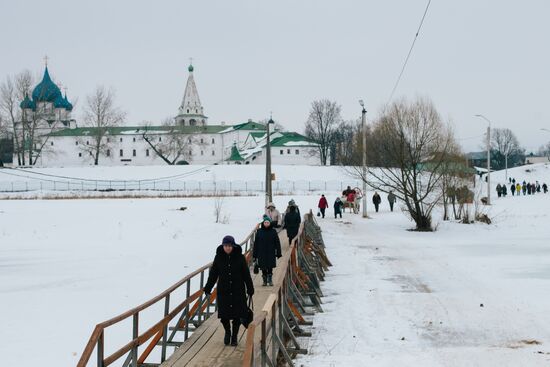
292	203
273	214
267	249
231	271
292	223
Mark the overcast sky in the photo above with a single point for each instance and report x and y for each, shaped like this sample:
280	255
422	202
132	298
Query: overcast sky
487	57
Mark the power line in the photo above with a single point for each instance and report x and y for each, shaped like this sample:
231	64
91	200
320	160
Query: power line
158	179
410	51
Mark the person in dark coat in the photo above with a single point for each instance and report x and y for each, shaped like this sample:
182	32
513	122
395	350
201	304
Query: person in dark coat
338	206
323	205
504	190
267	249
231	272
376	200
292	203
292	223
499	190
391	199
513	189
545	188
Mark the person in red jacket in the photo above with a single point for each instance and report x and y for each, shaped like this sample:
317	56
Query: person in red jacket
323	204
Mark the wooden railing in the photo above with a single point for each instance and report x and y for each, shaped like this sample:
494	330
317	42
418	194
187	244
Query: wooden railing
161	334
273	333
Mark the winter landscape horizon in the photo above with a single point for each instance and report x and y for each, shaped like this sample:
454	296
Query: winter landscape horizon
466	294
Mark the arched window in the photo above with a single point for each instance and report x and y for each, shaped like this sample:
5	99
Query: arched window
192	122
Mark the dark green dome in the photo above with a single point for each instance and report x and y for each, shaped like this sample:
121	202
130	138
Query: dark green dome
63	102
68	105
27	103
190	68
46	90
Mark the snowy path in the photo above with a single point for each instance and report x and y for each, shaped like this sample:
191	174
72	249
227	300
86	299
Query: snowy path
415	298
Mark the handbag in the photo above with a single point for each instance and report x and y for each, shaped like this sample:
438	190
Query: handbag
249	314
318	212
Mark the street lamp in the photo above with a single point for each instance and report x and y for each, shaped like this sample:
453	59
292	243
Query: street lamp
364	149
488	158
268	192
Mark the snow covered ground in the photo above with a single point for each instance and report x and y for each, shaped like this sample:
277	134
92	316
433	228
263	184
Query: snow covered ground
67	264
466	295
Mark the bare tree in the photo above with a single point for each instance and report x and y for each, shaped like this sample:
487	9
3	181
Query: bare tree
346	149
412	144
505	149
12	91
456	181
100	115
6	143
173	143
544	150
321	125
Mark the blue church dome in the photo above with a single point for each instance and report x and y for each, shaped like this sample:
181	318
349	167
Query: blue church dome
46	90
27	103
63	102
68	105
59	102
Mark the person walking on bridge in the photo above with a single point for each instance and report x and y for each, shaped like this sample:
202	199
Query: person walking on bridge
231	272
292	223
274	215
267	249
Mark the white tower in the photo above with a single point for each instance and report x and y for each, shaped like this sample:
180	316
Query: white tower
191	112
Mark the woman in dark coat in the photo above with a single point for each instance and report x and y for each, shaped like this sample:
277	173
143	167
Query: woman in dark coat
292	223
376	200
267	248
231	272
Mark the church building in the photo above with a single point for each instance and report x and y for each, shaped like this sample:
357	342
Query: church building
189	140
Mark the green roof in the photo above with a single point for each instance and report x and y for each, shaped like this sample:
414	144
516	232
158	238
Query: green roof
138	130
250	125
292	139
235	155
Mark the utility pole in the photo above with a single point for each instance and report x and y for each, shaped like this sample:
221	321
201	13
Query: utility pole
489	164
506	165
268	192
364	154
488	158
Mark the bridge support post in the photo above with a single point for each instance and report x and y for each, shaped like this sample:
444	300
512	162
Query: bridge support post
165	330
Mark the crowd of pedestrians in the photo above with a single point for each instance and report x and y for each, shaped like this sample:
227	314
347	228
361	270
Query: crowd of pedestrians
349	195
523	188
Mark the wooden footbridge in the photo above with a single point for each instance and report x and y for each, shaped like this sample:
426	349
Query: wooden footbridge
187	331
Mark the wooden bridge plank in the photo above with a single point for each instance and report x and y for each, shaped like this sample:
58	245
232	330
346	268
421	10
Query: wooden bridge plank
205	347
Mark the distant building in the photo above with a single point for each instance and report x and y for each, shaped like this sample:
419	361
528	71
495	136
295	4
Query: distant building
200	142
532	159
477	159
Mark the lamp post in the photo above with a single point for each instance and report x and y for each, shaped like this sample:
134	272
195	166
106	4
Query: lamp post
488	158
268	192
364	154
547	153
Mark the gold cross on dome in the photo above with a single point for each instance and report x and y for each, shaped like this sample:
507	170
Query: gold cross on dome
46	58
190	61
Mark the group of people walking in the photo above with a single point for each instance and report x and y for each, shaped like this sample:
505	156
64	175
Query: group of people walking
232	274
349	194
517	188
